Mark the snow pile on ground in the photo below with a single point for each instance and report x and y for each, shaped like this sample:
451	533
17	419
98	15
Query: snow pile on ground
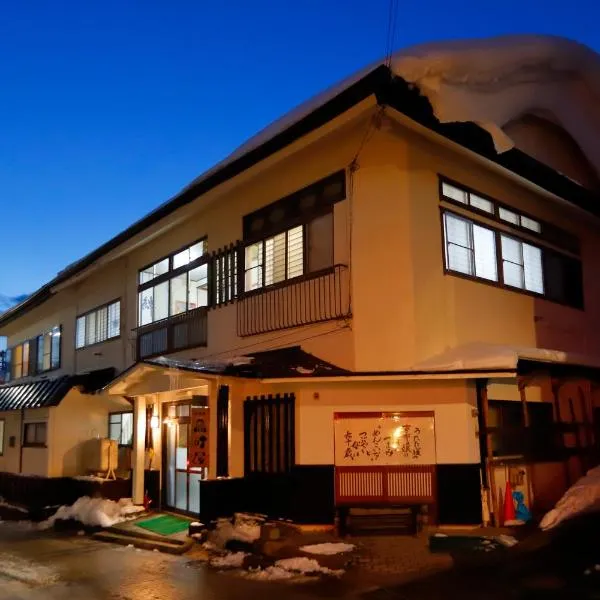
304	565
5	504
233	560
579	498
13	567
95	512
328	548
269	574
94	478
286	568
507	540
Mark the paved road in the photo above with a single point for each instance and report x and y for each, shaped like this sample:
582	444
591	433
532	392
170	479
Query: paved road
49	566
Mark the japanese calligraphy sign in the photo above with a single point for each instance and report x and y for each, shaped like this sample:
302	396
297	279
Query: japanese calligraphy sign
384	439
199	440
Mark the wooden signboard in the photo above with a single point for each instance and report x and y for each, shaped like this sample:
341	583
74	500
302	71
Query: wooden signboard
384	439
199	439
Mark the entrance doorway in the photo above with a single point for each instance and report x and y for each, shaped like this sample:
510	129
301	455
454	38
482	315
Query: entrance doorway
181	483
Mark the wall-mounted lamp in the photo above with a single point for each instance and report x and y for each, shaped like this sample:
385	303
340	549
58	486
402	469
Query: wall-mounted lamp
154	422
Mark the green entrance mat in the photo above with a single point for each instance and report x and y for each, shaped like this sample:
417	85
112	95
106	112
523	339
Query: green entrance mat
165	524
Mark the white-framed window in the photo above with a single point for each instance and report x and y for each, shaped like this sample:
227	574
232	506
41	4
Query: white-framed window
99	325
455	193
476	251
463	196
470	248
120	428
174	285
275	259
522	265
302	249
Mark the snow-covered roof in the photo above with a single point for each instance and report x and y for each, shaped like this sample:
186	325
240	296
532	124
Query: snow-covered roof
479	356
488	81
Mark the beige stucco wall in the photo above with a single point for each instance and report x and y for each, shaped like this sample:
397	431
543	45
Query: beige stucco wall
9	461
76	420
405	309
35	460
453	402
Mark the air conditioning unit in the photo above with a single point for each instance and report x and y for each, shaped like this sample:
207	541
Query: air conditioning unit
101	456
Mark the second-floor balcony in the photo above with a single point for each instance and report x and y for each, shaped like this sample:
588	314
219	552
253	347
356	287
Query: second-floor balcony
312	298
186	330
306	300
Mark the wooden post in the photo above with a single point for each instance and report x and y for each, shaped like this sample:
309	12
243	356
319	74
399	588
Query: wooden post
556	385
523	394
483	405
522	383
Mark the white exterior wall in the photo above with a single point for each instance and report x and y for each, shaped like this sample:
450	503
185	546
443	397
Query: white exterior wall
76	420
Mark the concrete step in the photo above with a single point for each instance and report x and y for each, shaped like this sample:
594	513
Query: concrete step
145	542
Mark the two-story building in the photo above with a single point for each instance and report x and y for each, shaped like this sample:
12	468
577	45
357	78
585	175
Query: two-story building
363	305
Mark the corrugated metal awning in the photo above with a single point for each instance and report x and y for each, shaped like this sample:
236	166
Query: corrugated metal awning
47	391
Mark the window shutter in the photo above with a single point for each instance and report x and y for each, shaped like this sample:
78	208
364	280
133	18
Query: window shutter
295	252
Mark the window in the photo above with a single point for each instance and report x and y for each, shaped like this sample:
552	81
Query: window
458	194
34	434
510	437
470	248
48	350
1	437
226	275
174	285
275	259
522	265
464	197
99	325
520	220
488	253
120	428
19	361
37	355
155	270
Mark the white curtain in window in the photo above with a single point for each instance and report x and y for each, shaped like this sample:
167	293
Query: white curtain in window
459	249
114	319
484	242
80	333
534	273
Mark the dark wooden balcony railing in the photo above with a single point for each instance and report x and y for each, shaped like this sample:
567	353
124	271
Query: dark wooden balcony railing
176	333
314	298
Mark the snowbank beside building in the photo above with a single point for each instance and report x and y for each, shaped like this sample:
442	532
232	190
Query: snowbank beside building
95	512
582	497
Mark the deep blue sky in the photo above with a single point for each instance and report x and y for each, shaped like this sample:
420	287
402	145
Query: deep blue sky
109	108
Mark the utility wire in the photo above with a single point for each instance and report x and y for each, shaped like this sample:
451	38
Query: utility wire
390	41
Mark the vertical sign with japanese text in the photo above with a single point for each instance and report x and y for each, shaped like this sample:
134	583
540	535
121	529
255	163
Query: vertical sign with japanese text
199	439
384	439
